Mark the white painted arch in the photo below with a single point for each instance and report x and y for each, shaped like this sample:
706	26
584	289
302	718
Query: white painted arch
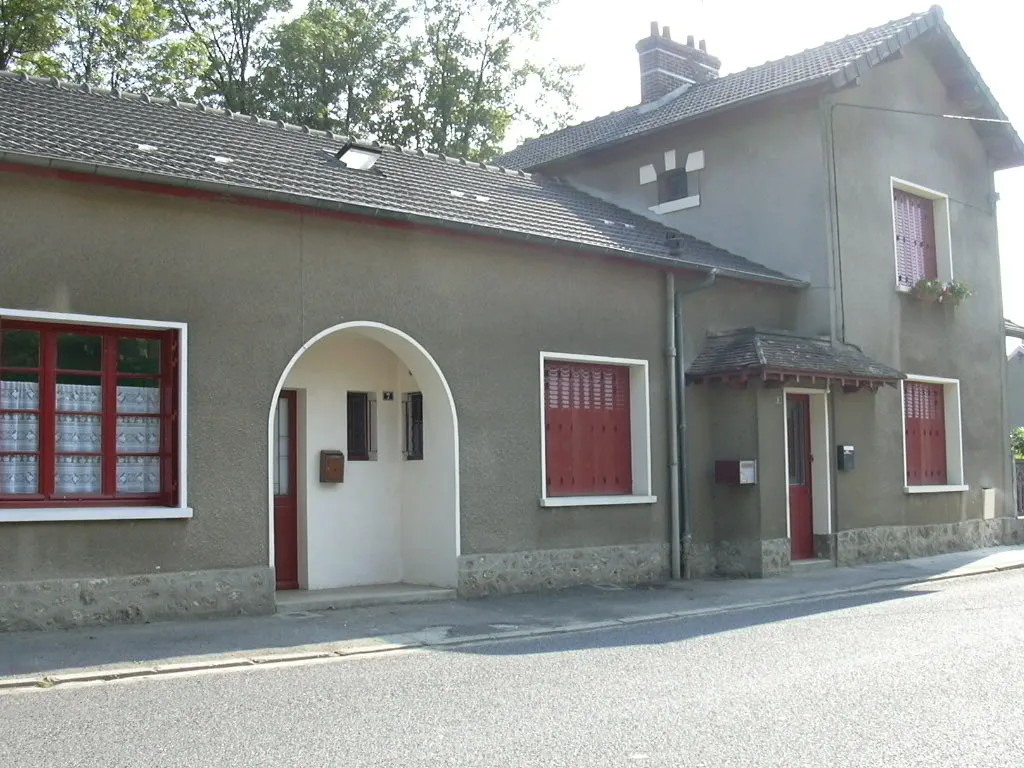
434	386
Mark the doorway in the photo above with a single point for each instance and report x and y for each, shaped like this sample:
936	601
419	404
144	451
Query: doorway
377	397
286	508
799	460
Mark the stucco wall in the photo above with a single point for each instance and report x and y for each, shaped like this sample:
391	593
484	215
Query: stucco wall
965	343
1015	388
253	286
762	190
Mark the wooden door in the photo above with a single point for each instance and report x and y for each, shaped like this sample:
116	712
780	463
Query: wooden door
286	518
801	510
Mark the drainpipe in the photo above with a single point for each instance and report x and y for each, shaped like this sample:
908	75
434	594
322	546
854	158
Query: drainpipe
673	418
682	466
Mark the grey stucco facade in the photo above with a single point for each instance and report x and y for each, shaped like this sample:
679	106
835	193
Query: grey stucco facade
770	191
253	286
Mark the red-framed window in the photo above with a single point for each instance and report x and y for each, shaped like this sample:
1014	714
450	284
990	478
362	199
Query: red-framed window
587	429
924	415
915	238
88	415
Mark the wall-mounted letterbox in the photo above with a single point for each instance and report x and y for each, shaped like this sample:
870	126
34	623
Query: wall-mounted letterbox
736	471
846	457
332	467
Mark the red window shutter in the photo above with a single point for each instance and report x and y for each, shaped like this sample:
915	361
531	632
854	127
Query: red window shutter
924	414
587	429
915	238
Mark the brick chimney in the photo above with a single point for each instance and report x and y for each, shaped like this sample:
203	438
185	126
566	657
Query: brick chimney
666	64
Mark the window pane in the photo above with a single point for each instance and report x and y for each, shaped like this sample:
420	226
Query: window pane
358	426
19	474
19	391
19	349
76	352
138	355
19	432
138	434
79	394
282	459
79	434
138	396
78	475
138	474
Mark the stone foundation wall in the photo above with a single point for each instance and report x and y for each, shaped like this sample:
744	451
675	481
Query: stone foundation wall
899	542
699	560
739	559
510	572
824	546
775	556
63	603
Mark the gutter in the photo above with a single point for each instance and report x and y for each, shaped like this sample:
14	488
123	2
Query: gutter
129	175
681	503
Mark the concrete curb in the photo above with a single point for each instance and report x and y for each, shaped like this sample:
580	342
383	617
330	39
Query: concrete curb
410	643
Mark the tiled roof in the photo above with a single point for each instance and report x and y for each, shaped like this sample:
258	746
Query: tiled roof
837	63
749	352
46	123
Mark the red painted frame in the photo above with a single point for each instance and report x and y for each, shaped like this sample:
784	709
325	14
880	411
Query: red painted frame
588	445
48	371
924	414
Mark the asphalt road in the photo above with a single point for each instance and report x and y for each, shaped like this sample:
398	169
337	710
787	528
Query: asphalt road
922	676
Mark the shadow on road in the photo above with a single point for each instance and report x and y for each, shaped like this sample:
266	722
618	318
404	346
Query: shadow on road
683	628
435	625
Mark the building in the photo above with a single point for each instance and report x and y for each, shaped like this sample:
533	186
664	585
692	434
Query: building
239	358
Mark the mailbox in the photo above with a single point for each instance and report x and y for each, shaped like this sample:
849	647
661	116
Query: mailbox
736	471
332	467
846	457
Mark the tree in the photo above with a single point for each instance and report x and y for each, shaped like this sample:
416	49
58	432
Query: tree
111	43
472	85
28	28
339	66
231	35
1017	442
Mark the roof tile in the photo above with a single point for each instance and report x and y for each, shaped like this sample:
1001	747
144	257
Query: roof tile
98	131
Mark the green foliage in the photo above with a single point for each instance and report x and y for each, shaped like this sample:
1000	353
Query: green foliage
952	292
442	75
1017	442
28	29
339	66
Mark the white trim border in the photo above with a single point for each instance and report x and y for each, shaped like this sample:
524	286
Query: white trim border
953	418
75	514
640	434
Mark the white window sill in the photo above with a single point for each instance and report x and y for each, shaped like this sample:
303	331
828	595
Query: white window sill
676	205
75	514
595	501
935	488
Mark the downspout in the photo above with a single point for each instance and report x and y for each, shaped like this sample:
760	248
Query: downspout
673	433
682	477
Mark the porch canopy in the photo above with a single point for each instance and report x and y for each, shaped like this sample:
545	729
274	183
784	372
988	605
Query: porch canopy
738	356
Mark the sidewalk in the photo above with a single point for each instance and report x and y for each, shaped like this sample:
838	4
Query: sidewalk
149	649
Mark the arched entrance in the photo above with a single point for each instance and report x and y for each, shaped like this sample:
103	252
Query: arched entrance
375	394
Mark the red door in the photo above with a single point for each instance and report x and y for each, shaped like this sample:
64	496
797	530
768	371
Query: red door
801	514
286	520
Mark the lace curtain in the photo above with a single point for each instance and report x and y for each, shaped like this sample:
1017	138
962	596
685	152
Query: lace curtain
79	432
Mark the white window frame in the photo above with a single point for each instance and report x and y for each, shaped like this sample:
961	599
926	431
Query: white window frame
640	434
79	514
943	232
954	436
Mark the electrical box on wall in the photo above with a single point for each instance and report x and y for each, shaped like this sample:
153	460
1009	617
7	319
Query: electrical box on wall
846	457
736	471
332	467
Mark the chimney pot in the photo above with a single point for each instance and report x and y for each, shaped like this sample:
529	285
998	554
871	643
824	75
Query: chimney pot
665	33
667	64
689	40
703	46
654	29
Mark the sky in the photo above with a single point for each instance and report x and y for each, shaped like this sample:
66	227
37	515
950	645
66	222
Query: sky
600	35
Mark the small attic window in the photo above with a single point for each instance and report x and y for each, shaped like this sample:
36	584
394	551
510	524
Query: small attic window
672	185
147	148
221	159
